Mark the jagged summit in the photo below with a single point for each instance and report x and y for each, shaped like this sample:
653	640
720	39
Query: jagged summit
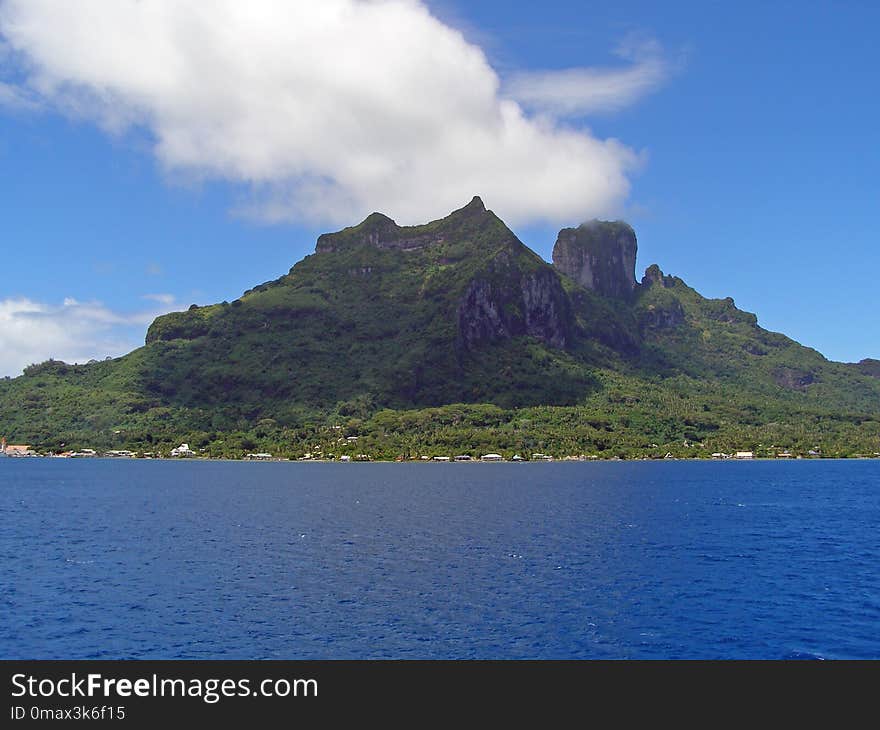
475	205
654	275
380	231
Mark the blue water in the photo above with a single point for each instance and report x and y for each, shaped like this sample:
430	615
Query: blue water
135	559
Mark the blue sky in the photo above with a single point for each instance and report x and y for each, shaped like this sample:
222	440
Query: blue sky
748	160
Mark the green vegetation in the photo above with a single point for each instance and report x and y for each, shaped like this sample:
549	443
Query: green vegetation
445	339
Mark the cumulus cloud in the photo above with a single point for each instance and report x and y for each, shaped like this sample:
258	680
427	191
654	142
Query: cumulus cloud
73	331
326	110
580	91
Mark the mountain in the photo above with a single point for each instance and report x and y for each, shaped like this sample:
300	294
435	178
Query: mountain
388	332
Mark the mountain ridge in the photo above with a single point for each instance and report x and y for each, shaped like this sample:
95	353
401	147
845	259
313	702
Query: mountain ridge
455	311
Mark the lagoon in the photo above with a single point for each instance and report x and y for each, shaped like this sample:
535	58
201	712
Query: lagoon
627	560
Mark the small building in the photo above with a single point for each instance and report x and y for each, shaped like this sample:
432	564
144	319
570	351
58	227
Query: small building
491	457
517	457
344	458
463	457
19	450
183	451
441	458
262	456
744	455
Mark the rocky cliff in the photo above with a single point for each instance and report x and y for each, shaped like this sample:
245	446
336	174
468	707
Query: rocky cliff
505	302
599	255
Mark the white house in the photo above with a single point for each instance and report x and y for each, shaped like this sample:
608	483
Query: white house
183	450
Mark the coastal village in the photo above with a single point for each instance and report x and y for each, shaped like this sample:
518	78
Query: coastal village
185	452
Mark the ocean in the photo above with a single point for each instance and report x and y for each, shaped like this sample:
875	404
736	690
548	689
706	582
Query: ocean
626	560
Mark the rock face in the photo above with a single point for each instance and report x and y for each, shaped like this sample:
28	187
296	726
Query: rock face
504	301
793	378
661	316
599	255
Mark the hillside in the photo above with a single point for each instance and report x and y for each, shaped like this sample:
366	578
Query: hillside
387	333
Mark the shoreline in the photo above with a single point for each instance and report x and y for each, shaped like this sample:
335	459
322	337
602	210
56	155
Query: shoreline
192	460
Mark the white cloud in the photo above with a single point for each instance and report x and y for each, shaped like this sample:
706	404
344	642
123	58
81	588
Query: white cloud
580	91
73	331
165	299
326	109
